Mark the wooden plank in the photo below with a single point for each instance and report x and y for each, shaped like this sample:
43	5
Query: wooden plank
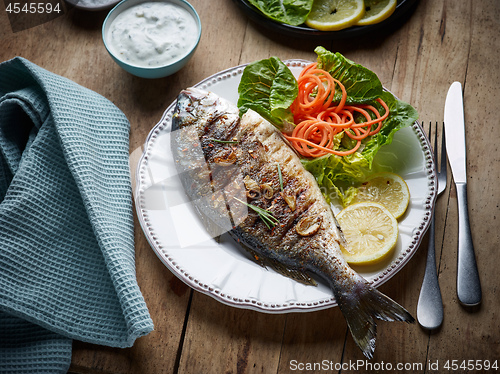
431	54
480	76
311	338
224	339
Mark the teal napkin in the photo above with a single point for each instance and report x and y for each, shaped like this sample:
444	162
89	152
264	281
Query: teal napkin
67	267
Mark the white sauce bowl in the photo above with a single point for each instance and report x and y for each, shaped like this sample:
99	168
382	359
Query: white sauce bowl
93	5
151	38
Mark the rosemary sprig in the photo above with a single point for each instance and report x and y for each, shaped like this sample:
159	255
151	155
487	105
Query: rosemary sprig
223	141
280	176
264	215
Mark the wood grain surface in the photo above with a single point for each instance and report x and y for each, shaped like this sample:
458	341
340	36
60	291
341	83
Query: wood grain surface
441	41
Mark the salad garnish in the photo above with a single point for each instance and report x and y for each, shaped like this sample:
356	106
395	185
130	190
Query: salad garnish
269	88
319	120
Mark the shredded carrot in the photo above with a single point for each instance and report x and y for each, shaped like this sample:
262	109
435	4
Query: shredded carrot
318	119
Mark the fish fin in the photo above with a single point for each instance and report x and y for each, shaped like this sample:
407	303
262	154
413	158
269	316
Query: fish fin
362	307
259	260
295	274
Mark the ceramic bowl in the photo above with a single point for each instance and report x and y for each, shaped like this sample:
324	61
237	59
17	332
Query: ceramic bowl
140	70
93	5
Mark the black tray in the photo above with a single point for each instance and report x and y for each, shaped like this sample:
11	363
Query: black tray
303	31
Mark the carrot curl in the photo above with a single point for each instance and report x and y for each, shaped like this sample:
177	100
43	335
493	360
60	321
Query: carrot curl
318	119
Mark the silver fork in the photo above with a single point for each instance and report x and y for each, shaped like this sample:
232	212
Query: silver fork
430	303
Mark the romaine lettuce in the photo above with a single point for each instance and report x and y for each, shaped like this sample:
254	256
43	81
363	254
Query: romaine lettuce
269	88
362	85
291	12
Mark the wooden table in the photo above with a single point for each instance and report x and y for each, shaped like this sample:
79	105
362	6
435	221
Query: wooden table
441	42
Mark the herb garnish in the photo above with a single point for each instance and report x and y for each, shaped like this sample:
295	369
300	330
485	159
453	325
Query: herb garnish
265	215
280	176
224	141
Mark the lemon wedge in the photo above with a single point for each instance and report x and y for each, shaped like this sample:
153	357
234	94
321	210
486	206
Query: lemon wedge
333	15
388	189
376	11
370	230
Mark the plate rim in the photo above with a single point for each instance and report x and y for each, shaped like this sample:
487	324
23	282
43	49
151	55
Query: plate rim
276	308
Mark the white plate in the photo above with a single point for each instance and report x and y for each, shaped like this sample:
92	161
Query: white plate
222	269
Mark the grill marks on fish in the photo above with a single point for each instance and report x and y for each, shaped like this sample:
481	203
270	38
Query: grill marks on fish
219	158
266	151
193	144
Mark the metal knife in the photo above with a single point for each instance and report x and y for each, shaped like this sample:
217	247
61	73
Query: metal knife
468	283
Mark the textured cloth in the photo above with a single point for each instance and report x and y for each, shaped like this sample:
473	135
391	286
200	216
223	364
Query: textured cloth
67	267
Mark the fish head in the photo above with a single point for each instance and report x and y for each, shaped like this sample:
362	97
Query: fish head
197	107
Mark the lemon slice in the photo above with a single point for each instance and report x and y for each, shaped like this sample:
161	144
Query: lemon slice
332	15
388	189
376	11
370	230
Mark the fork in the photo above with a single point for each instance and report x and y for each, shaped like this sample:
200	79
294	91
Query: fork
430	304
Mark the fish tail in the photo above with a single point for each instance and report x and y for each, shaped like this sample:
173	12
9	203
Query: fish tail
361	307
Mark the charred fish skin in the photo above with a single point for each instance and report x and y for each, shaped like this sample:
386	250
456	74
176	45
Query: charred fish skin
231	167
199	123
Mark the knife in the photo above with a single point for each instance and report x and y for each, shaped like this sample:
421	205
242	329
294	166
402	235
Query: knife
468	283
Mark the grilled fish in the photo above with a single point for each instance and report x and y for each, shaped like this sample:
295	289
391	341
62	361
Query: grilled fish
243	178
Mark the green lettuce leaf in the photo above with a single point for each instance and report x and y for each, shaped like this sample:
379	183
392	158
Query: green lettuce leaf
268	87
401	115
361	84
291	12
